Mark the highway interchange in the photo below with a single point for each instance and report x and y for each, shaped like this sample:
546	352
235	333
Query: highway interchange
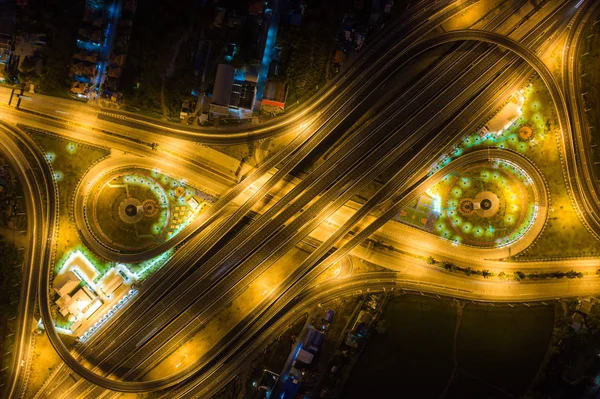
210	268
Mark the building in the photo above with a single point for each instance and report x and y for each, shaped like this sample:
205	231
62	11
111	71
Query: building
65	284
82	267
81	305
76	303
222	92
305	357
313	341
111	281
234	93
274	97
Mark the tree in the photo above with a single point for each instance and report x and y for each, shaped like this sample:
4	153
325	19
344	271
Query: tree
469	270
449	266
486	273
519	275
502	276
431	261
574	274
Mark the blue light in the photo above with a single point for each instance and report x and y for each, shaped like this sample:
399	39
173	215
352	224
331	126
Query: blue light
89	46
267	56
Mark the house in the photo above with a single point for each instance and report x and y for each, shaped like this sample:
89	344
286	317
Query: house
274	97
329	316
305	357
352	340
339	57
362	321
187	109
578	321
585	306
313	341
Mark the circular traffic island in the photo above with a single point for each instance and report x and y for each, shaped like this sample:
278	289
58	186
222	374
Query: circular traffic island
133	209
128	210
486	204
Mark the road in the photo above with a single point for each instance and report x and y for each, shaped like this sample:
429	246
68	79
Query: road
475	81
133	340
21	154
580	162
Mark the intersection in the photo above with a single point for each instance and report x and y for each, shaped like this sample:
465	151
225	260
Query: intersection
251	223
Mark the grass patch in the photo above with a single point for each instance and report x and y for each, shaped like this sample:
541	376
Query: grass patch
502	346
44	361
415	353
69	160
564	236
499	350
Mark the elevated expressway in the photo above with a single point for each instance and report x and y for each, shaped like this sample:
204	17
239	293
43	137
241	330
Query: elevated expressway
353	92
468	35
305	141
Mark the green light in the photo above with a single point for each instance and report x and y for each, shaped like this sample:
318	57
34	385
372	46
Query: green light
71	148
466	228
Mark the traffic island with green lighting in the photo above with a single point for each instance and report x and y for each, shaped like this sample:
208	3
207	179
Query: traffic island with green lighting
488	203
134	209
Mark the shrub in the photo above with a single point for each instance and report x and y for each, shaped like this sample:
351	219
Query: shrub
574	274
519	275
448	266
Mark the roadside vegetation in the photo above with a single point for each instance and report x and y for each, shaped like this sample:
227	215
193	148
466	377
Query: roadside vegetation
13	242
517	276
159	73
307	50
60	20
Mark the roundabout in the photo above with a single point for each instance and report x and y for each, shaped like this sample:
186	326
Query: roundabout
133	209
486	204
